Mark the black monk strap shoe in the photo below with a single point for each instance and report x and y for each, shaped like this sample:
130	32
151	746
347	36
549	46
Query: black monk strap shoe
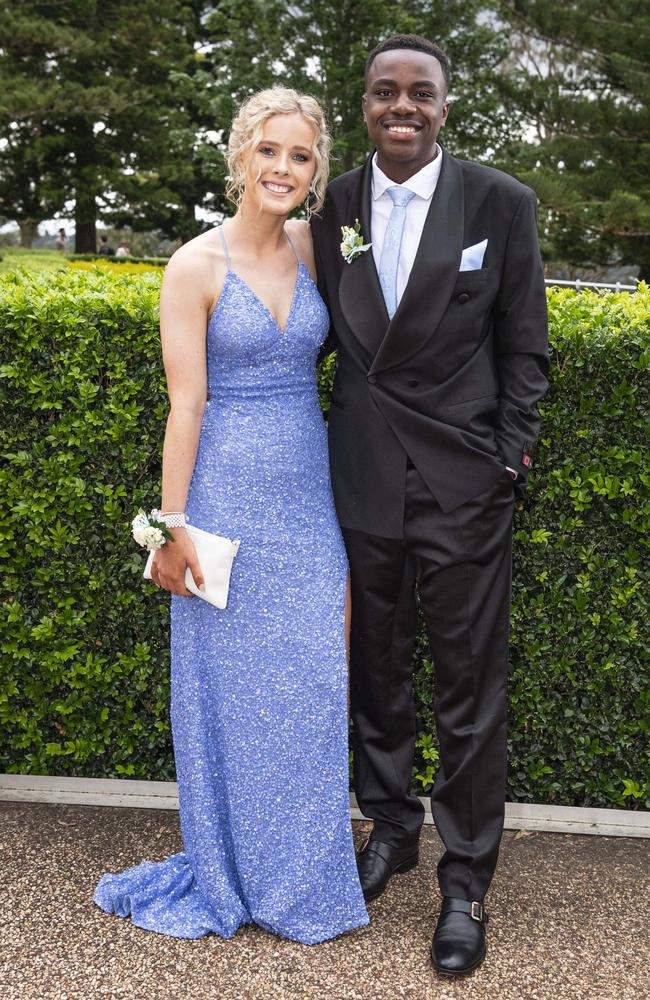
377	861
458	945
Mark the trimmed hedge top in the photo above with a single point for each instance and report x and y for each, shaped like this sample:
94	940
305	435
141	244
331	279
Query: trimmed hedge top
129	259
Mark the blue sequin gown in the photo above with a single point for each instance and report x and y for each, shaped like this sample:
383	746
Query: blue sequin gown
259	690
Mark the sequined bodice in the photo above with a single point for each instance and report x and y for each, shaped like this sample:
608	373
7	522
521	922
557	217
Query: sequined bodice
248	353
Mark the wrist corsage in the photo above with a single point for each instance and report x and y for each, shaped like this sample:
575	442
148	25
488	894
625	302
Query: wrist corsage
149	530
352	245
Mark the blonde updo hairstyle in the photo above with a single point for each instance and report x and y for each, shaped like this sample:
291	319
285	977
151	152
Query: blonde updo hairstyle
246	132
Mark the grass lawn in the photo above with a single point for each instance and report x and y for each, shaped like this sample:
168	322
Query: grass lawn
36	260
12	258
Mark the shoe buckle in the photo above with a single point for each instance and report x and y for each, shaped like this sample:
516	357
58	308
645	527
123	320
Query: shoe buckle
476	911
364	845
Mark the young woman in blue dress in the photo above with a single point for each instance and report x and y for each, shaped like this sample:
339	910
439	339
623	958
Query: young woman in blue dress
259	689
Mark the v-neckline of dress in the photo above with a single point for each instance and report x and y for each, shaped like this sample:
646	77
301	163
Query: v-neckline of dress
265	307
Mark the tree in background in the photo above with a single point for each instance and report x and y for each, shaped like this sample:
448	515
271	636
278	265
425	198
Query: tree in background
170	182
123	111
93	79
321	46
578	76
32	189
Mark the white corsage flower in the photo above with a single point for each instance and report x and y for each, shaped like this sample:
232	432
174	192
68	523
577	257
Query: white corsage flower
138	525
153	538
352	245
139	536
148	531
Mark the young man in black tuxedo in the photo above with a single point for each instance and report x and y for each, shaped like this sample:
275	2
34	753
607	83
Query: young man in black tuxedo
441	333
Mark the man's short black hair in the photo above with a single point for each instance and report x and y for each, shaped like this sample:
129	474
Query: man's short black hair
416	42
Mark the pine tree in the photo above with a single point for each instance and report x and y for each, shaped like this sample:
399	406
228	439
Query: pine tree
579	77
320	47
86	97
31	188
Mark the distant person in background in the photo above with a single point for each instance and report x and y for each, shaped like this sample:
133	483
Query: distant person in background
104	248
122	250
61	240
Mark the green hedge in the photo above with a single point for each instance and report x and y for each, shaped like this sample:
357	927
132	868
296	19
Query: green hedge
12	258
84	676
157	261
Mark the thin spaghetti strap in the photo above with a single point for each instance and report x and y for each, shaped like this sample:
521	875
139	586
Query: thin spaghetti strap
290	241
225	247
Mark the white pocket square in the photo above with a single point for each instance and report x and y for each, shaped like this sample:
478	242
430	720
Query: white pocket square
472	258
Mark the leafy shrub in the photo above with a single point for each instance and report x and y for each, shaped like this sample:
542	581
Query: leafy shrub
42	259
118	261
84	684
84	676
113	265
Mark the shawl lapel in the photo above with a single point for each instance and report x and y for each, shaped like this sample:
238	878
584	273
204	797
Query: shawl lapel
433	275
360	294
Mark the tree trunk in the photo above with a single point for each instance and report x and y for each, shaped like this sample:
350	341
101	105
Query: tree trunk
86	186
85	237
189	227
28	231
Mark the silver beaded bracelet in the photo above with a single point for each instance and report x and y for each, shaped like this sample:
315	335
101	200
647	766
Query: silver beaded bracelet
174	518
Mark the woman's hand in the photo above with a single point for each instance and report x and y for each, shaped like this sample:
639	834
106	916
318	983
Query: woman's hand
170	562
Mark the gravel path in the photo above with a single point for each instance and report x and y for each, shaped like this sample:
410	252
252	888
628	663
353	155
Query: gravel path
570	920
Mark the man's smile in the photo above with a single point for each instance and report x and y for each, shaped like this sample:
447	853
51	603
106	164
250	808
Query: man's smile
402	128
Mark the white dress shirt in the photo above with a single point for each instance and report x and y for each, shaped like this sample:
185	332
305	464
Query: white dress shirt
423	184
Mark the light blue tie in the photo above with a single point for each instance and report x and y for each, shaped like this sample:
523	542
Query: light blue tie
390	251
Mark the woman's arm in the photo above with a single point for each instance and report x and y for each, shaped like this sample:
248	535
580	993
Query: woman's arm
184	306
183	319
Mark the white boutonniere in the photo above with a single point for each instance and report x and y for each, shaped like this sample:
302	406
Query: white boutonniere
148	531
352	245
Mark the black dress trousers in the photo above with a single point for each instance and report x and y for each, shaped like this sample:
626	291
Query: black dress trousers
459	567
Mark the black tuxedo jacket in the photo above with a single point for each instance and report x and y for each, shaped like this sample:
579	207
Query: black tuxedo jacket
452	381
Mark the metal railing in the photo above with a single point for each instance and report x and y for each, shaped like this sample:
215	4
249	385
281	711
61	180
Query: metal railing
578	284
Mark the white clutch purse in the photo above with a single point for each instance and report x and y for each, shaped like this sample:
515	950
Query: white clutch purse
216	556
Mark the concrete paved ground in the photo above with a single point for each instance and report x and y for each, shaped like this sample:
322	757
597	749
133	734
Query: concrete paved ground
570	920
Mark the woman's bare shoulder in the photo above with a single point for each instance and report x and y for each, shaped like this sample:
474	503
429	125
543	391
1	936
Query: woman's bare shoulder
204	251
199	264
300	233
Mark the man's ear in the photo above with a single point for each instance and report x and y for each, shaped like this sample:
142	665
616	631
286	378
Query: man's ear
445	111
